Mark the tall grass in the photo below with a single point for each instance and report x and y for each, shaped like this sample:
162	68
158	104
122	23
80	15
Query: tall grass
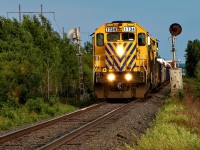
168	130
177	124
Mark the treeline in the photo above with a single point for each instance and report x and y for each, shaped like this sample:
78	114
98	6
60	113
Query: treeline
36	62
192	56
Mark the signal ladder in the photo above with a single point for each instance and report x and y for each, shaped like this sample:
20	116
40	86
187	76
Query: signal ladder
81	83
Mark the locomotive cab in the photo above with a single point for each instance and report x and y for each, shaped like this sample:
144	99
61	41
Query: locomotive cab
121	60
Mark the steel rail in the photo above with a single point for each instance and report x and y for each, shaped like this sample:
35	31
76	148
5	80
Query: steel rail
27	130
60	141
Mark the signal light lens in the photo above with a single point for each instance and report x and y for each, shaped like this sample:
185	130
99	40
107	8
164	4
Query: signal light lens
128	77
111	77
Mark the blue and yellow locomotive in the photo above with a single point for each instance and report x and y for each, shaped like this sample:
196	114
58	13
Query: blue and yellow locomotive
124	60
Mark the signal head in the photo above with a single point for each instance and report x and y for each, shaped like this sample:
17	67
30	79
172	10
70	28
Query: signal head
175	29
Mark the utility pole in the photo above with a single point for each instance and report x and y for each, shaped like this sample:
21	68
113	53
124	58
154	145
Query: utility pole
20	19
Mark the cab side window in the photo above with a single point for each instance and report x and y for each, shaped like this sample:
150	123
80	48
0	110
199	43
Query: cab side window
100	39
141	39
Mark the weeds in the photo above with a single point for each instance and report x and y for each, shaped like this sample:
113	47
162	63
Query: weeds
169	131
12	114
177	124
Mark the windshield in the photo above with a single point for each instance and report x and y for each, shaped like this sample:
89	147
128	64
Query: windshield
128	36
112	37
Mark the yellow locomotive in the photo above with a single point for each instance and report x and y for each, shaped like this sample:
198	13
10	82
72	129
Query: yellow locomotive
124	60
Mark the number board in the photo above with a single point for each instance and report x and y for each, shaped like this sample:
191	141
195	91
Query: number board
111	29
129	29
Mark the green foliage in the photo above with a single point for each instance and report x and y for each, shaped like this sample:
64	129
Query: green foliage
37	105
53	100
192	56
34	110
88	47
197	71
193	86
169	130
35	61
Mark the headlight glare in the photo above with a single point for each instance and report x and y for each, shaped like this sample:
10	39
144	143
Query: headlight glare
128	77
111	77
120	50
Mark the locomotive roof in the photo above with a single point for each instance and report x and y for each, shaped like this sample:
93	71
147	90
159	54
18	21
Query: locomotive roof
122	22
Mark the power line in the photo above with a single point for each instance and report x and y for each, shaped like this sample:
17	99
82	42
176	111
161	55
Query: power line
30	12
34	12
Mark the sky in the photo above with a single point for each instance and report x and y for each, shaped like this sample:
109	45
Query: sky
156	16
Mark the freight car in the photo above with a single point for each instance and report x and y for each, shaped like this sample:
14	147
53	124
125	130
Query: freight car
125	61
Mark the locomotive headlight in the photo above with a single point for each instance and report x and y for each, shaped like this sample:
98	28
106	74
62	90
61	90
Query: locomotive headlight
111	77
128	77
120	50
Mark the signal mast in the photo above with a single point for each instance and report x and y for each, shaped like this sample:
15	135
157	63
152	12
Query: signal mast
175	29
175	73
74	35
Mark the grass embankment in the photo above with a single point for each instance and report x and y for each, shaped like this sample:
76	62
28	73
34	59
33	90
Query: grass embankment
177	124
13	114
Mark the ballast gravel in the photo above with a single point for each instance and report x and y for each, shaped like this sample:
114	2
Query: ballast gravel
129	128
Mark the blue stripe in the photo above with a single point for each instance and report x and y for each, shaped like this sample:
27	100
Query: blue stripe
129	46
134	48
132	62
117	65
134	66
108	51
120	59
107	59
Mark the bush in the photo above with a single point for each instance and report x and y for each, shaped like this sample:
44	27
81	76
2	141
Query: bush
192	85
37	105
8	112
53	100
52	111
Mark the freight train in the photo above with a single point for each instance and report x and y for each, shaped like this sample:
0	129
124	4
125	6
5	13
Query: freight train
125	63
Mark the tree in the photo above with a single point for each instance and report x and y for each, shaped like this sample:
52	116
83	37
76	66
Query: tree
88	47
36	62
197	71
192	56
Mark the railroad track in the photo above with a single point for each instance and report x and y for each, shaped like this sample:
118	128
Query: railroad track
68	131
44	135
28	130
94	126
